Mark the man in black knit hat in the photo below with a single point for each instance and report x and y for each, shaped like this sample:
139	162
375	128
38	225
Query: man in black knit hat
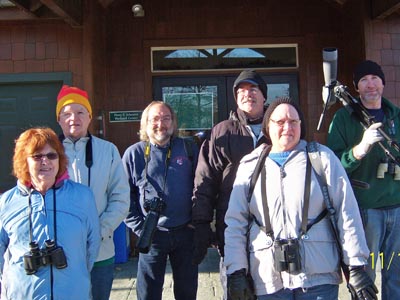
219	159
365	161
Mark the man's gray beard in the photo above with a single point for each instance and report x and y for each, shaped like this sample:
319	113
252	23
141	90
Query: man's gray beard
164	137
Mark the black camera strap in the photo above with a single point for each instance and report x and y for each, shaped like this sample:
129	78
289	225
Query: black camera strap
89	156
88	153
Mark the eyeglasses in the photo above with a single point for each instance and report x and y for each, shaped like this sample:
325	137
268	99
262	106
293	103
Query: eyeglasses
155	120
50	156
281	123
252	91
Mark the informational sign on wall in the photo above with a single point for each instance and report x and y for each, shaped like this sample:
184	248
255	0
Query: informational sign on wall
125	116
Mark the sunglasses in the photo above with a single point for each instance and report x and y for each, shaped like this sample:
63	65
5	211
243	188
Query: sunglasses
50	156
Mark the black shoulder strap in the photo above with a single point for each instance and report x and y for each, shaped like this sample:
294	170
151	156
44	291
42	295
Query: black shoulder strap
257	170
317	165
260	168
188	148
88	153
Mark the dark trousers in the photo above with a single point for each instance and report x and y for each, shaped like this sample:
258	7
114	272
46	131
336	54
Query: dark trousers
102	278
178	247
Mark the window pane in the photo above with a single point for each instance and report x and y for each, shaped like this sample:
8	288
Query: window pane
195	106
180	59
276	90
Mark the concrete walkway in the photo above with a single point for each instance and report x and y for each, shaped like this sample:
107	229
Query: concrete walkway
124	286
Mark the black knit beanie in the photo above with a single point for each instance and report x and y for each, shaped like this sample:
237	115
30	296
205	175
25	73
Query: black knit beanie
274	104
250	76
367	67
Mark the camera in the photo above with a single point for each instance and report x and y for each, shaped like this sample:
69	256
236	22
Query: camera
50	255
287	255
153	207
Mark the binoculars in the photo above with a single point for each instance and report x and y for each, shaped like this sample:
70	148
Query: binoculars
50	255
390	167
287	256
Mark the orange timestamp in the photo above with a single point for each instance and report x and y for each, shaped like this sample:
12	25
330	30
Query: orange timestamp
383	259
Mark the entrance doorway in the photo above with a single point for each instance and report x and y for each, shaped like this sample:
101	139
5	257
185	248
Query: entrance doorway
202	101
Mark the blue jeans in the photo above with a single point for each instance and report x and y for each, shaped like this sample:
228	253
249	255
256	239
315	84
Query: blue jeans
318	292
178	247
382	228
102	278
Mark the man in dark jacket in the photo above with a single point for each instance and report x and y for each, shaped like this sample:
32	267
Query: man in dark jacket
219	159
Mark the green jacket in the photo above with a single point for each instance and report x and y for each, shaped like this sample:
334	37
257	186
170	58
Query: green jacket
344	133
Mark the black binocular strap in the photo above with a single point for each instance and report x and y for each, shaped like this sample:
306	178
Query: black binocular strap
317	165
304	221
267	222
30	216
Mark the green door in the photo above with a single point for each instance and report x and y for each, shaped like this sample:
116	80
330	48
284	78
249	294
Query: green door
24	104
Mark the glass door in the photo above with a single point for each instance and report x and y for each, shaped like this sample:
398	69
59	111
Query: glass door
202	101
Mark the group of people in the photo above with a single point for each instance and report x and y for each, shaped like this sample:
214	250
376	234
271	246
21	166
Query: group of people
57	223
255	175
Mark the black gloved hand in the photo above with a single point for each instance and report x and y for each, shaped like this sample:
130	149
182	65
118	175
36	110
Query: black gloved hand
239	287
361	285
202	240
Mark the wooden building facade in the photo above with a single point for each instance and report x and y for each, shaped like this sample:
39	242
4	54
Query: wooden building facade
108	48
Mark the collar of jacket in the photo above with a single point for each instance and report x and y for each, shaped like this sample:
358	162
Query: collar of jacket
27	189
240	115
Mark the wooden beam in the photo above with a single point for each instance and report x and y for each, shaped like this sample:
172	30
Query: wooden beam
105	3
69	10
24	5
15	14
34	9
337	2
380	9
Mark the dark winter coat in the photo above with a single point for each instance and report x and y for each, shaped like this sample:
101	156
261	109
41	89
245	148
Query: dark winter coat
218	161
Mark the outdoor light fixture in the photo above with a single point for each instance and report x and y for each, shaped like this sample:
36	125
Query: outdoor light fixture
138	10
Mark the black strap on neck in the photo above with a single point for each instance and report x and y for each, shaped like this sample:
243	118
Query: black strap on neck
317	165
88	153
267	222
257	170
89	156
260	168
306	205
30	215
304	221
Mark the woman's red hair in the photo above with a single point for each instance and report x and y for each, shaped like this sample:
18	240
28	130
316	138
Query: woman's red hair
31	141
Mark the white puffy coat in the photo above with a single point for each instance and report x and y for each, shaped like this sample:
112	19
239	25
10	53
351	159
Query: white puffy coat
285	196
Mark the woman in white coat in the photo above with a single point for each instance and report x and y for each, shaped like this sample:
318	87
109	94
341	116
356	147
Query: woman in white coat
286	261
